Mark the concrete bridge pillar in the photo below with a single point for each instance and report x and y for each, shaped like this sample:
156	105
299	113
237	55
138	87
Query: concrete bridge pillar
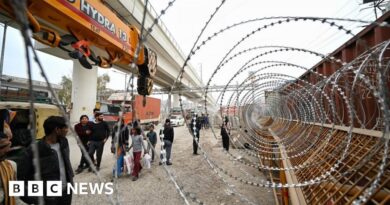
175	101
169	103
84	84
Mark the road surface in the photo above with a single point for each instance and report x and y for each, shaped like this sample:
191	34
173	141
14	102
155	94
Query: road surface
191	172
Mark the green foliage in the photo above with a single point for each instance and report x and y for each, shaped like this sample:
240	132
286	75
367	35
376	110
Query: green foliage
65	93
102	83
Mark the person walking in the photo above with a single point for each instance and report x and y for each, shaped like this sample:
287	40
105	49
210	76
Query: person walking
54	161
195	126
202	121
137	144
152	137
225	137
206	121
168	141
100	133
119	146
84	131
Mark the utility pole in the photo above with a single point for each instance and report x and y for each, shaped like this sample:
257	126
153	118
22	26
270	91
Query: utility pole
126	82
2	51
3	48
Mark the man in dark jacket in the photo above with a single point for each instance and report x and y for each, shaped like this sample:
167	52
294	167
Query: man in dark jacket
195	127
100	134
84	131
53	159
168	140
225	137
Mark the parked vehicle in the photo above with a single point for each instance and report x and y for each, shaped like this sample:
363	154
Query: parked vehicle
21	121
177	120
175	111
148	114
110	112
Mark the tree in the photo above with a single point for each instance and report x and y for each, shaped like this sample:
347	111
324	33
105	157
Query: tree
65	93
102	83
102	86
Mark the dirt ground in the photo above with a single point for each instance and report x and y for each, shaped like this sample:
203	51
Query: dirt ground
192	173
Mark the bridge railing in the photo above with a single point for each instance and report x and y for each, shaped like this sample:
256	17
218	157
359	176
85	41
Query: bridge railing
164	28
154	14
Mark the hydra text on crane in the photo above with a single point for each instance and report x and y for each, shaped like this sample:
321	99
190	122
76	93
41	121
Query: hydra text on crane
97	16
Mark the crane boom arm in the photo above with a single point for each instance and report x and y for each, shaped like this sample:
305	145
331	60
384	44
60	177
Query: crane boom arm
76	25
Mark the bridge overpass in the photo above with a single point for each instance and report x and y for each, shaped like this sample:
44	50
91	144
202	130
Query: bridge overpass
322	138
170	59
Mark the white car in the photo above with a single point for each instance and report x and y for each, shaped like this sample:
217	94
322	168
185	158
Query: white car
177	120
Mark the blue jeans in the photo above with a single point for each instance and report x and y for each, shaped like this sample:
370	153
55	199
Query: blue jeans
119	165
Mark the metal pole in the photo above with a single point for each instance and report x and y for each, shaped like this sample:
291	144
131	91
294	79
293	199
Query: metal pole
2	52
3	48
125	82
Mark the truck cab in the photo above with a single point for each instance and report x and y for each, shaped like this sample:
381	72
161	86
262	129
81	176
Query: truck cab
150	113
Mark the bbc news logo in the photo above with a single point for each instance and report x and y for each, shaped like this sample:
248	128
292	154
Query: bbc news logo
54	188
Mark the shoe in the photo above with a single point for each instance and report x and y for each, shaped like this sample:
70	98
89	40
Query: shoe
89	169
169	163
160	163
195	154
97	168
78	170
85	167
134	178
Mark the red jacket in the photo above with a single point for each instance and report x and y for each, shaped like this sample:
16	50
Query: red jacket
82	131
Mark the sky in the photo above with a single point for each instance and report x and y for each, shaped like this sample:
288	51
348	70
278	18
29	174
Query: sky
191	15
186	18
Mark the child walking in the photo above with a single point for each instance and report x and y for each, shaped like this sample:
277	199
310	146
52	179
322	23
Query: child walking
138	145
152	136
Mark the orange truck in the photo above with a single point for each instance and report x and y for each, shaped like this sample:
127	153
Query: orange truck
150	113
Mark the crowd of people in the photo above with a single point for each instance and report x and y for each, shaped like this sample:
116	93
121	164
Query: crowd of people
202	122
54	153
93	132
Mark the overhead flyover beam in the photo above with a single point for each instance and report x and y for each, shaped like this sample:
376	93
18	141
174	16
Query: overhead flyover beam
199	89
170	55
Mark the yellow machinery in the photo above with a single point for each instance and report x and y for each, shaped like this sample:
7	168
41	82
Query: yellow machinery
77	25
41	113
